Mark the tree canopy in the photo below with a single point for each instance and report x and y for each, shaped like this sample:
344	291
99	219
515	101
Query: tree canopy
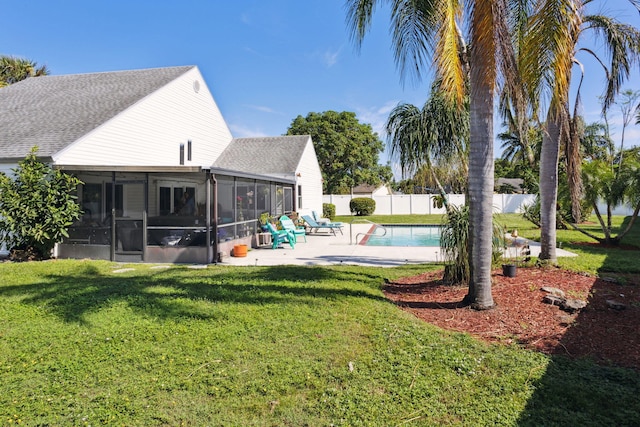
13	70
347	150
37	205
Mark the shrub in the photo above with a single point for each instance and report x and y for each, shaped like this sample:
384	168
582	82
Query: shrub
328	210
36	207
362	206
454	243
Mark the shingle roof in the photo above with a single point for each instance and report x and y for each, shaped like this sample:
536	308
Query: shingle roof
275	155
54	111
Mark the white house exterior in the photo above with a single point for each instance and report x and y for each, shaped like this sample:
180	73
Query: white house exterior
150	147
287	157
150	132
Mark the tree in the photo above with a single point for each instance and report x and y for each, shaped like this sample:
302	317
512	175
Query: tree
628	108
614	186
423	139
37	206
430	28
559	26
347	150
13	70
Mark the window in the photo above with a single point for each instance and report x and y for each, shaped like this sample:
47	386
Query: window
92	202
182	154
299	197
177	200
245	199
189	150
288	199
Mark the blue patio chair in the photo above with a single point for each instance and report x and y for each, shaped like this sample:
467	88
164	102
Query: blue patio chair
287	224
281	236
318	219
331	226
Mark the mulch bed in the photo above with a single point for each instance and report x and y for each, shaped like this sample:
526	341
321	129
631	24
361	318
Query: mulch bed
609	336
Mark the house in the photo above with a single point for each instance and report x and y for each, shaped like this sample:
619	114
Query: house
510	185
367	190
161	181
282	157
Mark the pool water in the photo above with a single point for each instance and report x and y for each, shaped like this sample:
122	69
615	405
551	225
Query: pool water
403	235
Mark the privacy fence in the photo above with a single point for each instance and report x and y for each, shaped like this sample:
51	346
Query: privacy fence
407	204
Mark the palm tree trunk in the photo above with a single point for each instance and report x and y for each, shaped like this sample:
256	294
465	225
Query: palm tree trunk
574	169
480	190
549	155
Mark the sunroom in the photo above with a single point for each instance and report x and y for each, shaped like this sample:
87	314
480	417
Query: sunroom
161	215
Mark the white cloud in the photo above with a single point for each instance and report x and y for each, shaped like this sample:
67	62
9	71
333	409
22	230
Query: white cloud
241	131
263	109
328	58
331	58
376	116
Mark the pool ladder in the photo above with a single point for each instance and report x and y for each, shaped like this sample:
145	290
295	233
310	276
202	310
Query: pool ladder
364	234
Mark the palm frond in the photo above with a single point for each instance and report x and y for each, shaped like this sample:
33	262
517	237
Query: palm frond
622	47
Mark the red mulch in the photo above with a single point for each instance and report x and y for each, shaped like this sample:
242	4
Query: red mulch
607	335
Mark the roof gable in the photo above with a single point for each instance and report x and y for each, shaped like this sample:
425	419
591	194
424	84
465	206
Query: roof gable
54	111
264	155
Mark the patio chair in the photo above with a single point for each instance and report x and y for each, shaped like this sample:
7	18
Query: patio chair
281	236
318	219
287	224
332	226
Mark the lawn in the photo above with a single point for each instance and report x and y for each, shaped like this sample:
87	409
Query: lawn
99	343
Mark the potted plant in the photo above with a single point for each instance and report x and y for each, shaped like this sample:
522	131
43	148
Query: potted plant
264	218
515	251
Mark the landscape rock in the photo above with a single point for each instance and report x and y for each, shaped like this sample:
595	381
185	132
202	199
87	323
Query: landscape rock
616	305
553	299
553	291
572	305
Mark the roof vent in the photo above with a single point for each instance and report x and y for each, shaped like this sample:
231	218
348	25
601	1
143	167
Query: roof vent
196	86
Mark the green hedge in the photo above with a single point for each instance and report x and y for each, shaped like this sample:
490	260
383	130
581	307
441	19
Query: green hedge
362	206
328	210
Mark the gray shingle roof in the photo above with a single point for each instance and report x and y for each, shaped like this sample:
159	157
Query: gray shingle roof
54	111
275	155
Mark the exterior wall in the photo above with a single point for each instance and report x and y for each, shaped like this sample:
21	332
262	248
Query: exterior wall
151	131
7	168
311	180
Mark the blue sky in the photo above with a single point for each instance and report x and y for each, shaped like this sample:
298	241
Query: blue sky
265	62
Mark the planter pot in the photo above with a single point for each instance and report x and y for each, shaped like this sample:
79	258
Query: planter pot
509	270
240	251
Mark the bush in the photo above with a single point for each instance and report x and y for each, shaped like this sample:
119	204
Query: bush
328	210
362	206
454	243
36	208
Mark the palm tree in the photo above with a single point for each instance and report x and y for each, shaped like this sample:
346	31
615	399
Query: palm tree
560	25
437	133
430	28
13	70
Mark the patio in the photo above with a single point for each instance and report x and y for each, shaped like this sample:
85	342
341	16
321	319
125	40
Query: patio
326	249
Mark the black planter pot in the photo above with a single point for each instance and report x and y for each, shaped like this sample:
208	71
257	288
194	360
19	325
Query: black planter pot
509	270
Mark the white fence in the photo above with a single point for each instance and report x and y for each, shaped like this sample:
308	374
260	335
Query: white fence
407	204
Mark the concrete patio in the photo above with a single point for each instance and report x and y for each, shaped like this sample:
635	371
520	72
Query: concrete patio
326	249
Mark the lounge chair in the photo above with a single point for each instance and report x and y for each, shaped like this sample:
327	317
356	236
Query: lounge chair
281	236
332	226
287	224
318	219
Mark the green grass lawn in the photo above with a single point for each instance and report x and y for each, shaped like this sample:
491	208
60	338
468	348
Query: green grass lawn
84	344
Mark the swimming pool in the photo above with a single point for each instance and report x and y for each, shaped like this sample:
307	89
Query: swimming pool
403	235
